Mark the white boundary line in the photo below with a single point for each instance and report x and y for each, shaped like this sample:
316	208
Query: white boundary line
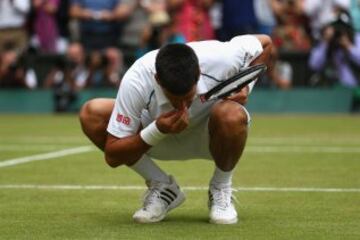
249	148
188	188
301	149
29	147
46	156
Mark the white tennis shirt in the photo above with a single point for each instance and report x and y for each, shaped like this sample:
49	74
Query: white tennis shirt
140	95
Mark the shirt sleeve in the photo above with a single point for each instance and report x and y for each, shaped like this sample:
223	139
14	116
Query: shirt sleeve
125	119
245	50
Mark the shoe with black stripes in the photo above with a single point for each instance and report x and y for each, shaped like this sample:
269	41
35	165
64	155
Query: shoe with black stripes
159	199
222	210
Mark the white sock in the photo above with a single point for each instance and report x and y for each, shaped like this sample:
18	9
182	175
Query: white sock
221	177
148	169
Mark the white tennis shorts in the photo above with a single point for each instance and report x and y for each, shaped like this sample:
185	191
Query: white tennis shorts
192	143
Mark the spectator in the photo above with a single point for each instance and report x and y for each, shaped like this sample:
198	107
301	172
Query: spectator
99	30
68	77
337	56
12	21
320	12
63	20
45	24
160	29
265	16
133	27
192	18
291	31
104	68
238	18
71	70
13	73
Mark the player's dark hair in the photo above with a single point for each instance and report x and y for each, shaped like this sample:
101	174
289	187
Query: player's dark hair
177	68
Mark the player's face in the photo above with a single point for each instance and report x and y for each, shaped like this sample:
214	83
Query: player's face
183	101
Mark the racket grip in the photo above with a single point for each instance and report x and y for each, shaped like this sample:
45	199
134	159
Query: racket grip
151	135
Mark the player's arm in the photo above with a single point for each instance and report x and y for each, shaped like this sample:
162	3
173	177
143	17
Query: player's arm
128	150
264	58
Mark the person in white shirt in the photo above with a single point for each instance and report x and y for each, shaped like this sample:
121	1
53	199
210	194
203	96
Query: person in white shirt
158	114
13	15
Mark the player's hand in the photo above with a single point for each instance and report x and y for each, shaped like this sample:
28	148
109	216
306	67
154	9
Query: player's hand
174	121
240	97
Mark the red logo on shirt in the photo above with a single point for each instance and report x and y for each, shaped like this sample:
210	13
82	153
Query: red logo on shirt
122	119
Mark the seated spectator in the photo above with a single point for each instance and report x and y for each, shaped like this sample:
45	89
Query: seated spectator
337	56
45	24
101	67
133	26
99	29
291	32
13	72
71	71
68	77
192	18
12	23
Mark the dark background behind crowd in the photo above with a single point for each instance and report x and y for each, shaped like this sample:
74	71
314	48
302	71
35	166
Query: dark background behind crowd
69	45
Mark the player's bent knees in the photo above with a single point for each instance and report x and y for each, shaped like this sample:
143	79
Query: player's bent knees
90	109
228	114
95	113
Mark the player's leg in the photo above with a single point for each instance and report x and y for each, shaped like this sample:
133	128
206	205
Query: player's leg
163	194
228	124
94	118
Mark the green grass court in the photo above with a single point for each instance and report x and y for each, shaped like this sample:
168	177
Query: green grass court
299	178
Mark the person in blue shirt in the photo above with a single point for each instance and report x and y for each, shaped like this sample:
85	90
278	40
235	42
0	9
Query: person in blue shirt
99	21
99	31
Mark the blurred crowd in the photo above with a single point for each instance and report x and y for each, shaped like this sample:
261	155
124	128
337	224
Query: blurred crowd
95	36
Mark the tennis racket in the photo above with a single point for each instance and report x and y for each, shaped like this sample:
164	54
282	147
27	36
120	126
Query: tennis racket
234	83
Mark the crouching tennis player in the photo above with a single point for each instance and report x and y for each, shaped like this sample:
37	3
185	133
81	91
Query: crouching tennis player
158	114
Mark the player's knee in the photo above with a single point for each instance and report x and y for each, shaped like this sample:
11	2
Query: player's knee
90	110
89	116
84	112
229	114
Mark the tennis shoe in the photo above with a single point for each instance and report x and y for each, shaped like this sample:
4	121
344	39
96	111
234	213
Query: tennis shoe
159	199
222	210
